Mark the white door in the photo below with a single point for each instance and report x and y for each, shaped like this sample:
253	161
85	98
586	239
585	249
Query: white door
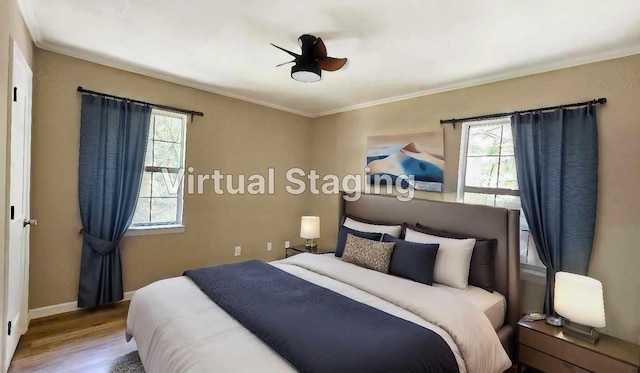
17	254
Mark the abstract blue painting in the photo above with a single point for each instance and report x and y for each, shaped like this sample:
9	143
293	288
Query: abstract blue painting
420	155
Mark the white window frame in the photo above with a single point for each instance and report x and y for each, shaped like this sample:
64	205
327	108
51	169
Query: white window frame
176	226
530	272
462	168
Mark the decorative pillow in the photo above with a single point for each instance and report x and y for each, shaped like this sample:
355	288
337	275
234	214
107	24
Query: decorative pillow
368	253
411	260
481	269
453	259
342	238
365	226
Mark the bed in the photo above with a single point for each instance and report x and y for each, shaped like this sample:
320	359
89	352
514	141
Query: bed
178	328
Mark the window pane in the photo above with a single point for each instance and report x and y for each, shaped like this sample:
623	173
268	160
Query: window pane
164	210
508	202
482	172
528	252
513	203
168	129
484	140
480	199
156	203
142	214
508	178
145	188
524	246
161	188
166	154
507	141
148	160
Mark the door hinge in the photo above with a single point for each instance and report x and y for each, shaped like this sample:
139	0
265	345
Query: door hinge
9	328
15	94
13	211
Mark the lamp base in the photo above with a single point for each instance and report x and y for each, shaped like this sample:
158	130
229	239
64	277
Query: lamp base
554	321
579	331
311	245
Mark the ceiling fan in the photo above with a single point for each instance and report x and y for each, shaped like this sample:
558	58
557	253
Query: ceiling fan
308	66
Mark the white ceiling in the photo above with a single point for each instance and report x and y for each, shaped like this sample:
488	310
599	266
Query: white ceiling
396	49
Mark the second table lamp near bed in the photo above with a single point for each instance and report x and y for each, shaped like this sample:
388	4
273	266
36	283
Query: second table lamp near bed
310	230
579	300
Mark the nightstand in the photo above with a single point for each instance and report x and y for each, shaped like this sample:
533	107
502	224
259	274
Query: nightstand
546	348
293	250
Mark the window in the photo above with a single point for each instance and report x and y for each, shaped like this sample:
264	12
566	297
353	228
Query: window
487	174
160	201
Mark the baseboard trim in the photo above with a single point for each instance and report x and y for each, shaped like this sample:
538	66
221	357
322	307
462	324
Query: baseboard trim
56	309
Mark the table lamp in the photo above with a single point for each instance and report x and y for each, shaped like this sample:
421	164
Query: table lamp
579	300
310	230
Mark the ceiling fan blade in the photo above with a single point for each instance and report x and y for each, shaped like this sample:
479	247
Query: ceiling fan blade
331	64
287	51
284	63
319	50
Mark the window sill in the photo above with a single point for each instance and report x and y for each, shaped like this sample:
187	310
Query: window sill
154	229
533	274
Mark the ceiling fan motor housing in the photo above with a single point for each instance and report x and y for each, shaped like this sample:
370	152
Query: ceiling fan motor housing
306	69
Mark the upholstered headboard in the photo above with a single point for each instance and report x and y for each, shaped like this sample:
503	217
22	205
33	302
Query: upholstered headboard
473	220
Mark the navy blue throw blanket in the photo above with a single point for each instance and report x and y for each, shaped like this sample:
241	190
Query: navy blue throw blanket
318	330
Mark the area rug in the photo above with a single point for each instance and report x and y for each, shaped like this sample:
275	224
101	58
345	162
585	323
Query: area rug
129	363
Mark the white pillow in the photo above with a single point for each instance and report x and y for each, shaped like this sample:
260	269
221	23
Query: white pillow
392	230
452	260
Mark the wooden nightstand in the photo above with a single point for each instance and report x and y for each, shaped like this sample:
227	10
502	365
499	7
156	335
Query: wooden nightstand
293	250
546	348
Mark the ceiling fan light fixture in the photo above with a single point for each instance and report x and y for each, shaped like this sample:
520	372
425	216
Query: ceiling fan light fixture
307	73
309	64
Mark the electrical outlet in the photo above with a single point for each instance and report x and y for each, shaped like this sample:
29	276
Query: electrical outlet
269	247
287	244
238	251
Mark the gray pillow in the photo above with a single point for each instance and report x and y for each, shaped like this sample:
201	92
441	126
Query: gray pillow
342	238
481	268
367	253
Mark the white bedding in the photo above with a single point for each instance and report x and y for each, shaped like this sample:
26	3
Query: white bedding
177	328
494	305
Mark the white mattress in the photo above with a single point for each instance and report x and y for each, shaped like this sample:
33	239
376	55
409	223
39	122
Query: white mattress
493	305
177	328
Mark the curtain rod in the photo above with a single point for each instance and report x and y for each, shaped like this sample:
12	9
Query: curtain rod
601	101
164	107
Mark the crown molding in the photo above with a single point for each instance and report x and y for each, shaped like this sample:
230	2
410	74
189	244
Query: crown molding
511	74
28	13
126	66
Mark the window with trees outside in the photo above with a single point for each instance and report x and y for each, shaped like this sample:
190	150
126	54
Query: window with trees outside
160	199
487	174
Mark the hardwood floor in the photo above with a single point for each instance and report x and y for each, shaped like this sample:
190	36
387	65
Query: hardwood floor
74	342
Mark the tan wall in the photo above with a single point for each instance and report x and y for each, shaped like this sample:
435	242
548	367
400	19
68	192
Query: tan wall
339	144
12	27
234	136
215	224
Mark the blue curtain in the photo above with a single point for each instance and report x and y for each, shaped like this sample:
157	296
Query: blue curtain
557	164
113	139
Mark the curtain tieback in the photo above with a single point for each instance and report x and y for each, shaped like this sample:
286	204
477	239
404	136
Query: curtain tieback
101	246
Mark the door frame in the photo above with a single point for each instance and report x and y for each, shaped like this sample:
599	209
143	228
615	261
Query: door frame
14	54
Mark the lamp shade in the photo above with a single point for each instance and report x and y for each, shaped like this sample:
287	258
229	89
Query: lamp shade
310	227
579	299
